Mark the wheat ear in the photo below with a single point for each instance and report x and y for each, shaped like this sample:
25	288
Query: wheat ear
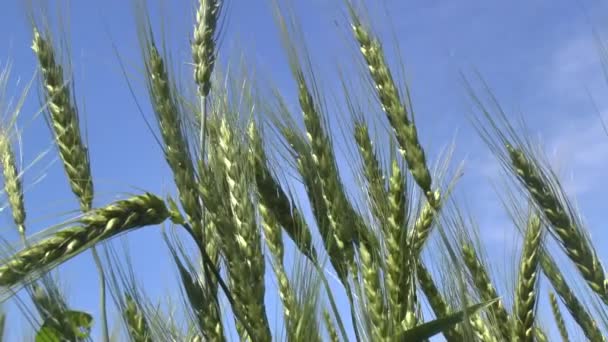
175	145
64	122
564	227
244	254
559	319
573	304
396	111
435	298
525	295
137	326
485	288
203	44
398	271
275	200
12	183
95	226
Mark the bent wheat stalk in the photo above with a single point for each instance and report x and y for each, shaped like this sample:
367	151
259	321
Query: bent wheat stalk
95	226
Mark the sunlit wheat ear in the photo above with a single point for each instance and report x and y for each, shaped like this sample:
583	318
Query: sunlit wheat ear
64	121
201	296
244	254
486	290
374	293
398	271
137	326
12	182
275	200
481	329
563	224
204	42
372	171
559	319
95	226
525	296
575	307
306	167
392	104
436	300
168	114
291	308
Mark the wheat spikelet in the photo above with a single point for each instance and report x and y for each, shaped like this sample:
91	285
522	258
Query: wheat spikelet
371	169
331	329
486	289
563	226
396	112
438	304
244	254
525	296
308	171
95	226
202	297
12	183
272	196
559	319
481	330
175	145
423	225
376	308
572	303
323	158
64	122
203	44
398	271
138	328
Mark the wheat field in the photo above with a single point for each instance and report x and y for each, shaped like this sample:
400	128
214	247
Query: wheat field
291	212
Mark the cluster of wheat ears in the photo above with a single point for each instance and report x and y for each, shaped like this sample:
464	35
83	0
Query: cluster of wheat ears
235	154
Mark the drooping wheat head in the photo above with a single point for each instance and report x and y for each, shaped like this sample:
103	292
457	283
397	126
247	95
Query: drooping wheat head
95	226
563	224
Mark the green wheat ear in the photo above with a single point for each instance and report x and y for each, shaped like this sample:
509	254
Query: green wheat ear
138	328
95	226
64	121
525	296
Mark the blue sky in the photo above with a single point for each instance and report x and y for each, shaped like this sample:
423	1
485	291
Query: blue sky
539	57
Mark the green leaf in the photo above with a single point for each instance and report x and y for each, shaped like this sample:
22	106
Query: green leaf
432	328
75	324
